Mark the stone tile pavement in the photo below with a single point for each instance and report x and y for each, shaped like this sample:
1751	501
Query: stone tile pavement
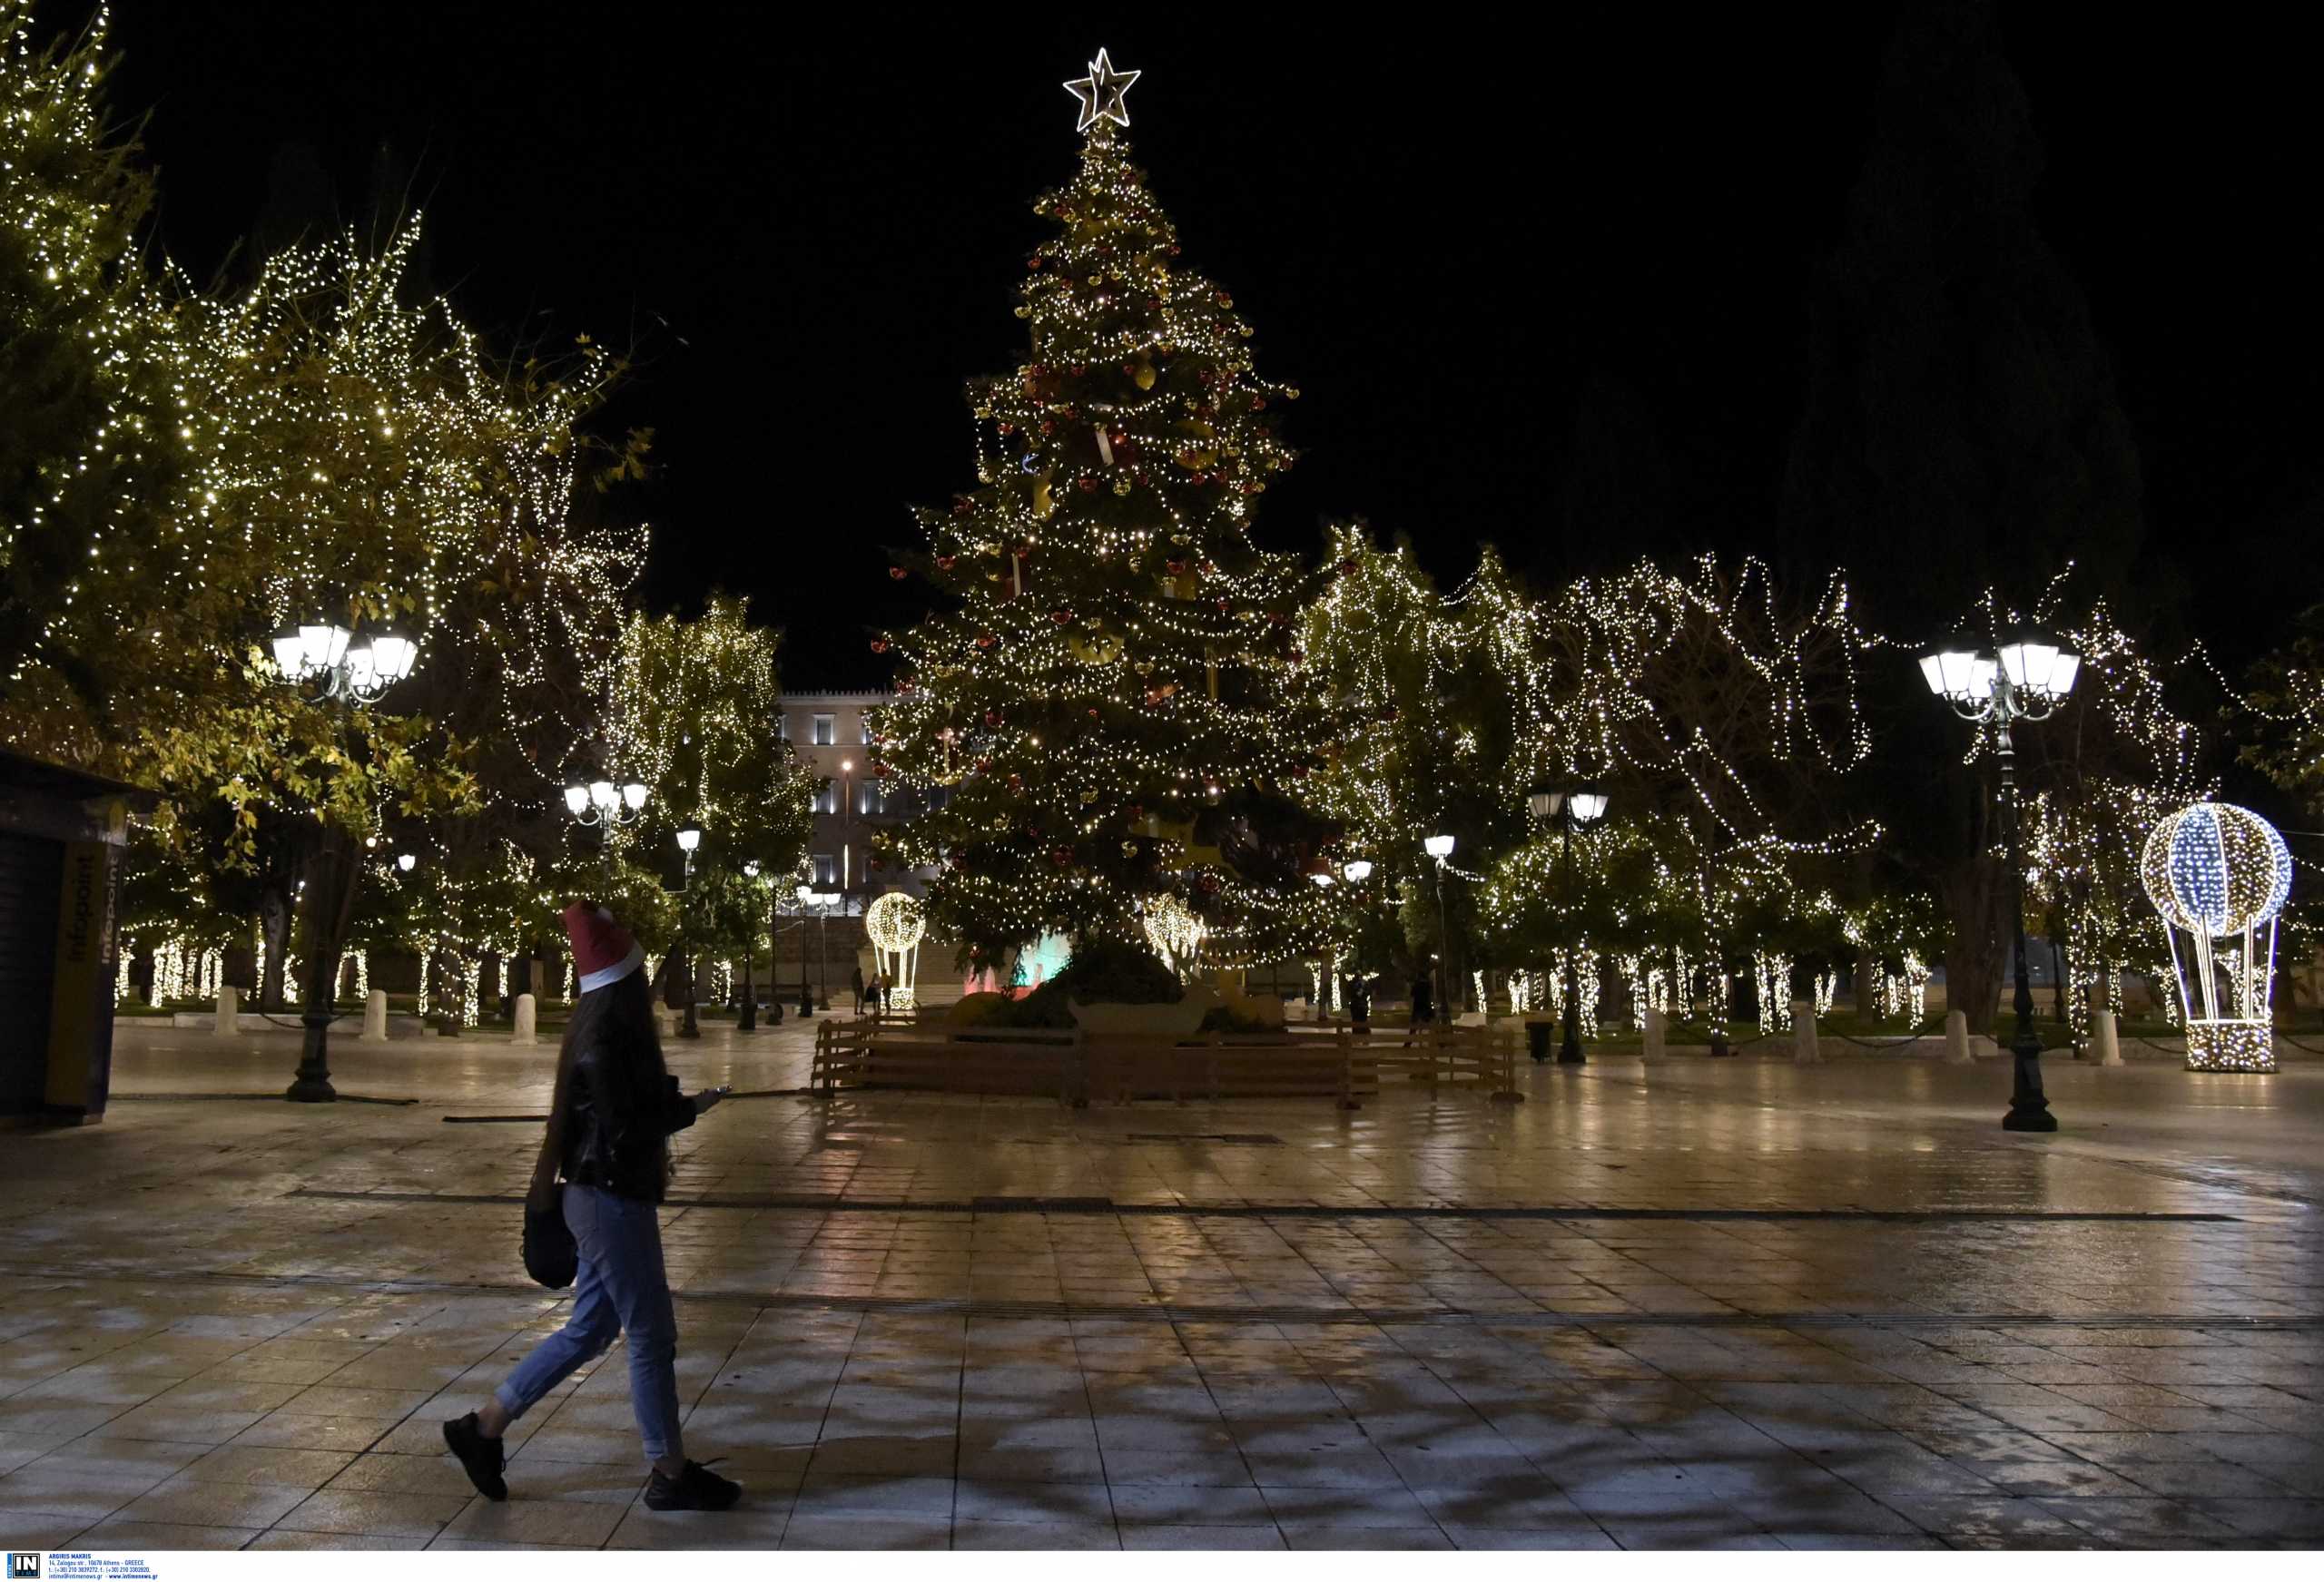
1730	1304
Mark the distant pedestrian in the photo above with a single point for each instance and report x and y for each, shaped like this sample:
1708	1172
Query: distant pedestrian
858	977
1423	1000
611	1115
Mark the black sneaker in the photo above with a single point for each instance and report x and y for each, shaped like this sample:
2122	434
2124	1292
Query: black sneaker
695	1488
480	1458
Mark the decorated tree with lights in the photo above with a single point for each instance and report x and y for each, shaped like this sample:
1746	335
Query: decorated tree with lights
349	458
1108	701
88	463
695	717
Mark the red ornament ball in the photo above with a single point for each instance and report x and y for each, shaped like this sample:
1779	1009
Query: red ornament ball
986	640
1088	484
947	562
899	573
878	646
1061	855
992	719
1061	617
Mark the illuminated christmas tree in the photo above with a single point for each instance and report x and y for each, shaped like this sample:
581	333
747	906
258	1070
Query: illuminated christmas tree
1105	704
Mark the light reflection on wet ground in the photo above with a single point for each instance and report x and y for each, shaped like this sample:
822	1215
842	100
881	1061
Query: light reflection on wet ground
1780	1306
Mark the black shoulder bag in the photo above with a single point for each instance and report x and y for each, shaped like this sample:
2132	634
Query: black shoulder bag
551	1258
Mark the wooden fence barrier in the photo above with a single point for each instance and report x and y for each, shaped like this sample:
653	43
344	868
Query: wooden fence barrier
1074	1067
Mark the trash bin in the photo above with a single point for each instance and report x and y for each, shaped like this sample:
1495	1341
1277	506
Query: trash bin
1537	1039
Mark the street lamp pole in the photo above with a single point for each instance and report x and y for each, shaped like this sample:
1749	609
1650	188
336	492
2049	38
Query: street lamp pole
824	949
806	995
2028	679
1570	1041
1440	847
1583	805
352	669
748	1021
689	837
1360	1000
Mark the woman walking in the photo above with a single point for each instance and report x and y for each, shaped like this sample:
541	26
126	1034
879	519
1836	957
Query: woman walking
609	1126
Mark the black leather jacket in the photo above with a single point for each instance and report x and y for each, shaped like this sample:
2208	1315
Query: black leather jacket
617	1122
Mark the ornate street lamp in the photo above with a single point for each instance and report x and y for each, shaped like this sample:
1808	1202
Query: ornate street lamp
405	861
600	801
1440	847
2028	679
689	839
747	1021
1582	805
804	894
1359	1008
353	668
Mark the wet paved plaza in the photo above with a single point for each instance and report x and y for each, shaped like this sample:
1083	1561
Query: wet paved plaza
1736	1304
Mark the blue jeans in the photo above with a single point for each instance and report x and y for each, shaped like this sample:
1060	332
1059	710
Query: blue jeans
622	1288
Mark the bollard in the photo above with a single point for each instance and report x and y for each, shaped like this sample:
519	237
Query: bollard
229	1000
2104	1039
527	1020
1657	1027
1804	1049
1956	1038
375	1016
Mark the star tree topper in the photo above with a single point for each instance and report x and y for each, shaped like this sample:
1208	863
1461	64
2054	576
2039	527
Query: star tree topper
1101	93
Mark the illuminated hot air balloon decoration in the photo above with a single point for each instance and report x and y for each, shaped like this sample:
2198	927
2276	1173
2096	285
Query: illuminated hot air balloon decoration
2220	875
896	924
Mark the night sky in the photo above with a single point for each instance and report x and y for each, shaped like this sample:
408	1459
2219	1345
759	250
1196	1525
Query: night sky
1450	241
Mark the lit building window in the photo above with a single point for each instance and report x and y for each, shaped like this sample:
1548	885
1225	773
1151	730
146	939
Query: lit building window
826	870
825	731
827	798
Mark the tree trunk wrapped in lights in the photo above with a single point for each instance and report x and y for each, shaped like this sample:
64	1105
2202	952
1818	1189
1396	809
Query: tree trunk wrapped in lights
1108	706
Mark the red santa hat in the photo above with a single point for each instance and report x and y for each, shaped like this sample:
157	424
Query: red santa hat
602	950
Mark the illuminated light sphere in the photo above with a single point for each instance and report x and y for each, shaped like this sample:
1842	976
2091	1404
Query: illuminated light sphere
2217	869
895	922
2220	875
